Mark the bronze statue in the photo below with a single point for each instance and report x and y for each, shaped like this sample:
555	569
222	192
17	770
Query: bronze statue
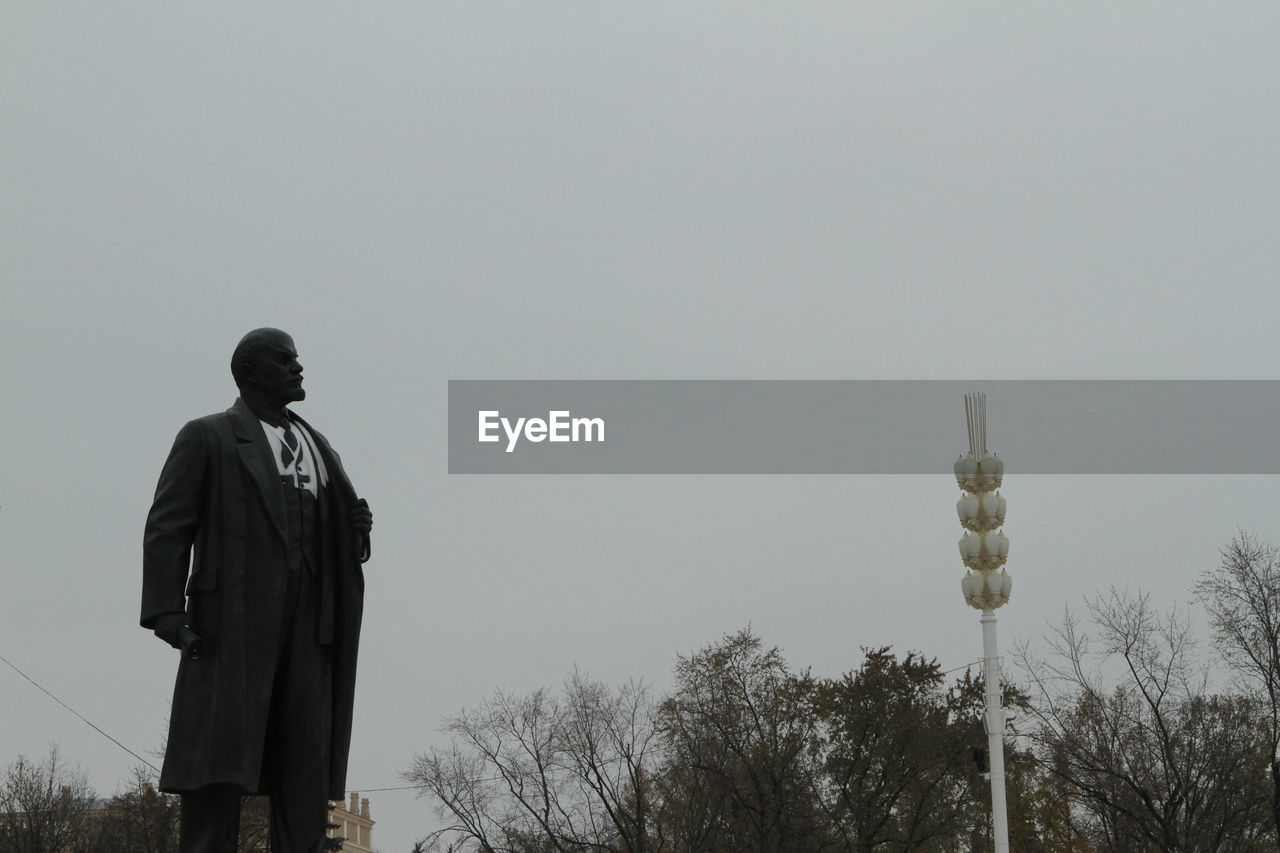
267	612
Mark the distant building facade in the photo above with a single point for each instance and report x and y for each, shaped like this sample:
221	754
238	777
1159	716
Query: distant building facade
353	823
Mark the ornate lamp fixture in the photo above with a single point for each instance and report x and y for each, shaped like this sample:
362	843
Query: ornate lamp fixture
982	509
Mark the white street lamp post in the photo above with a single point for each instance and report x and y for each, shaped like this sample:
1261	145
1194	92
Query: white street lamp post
984	550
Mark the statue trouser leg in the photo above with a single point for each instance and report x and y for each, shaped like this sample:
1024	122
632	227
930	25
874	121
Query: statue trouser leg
210	820
296	761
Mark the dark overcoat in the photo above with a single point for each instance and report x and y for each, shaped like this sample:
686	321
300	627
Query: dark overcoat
220	495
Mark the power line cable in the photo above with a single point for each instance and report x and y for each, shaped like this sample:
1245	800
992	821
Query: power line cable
99	730
78	714
961	666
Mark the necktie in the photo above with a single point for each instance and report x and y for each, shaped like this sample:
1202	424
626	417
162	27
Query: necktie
290	446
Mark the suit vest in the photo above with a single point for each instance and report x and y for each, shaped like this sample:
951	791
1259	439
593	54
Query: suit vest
303	527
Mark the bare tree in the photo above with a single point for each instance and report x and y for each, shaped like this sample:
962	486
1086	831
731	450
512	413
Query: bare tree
610	742
1242	598
140	819
43	807
1129	754
541	773
1151	760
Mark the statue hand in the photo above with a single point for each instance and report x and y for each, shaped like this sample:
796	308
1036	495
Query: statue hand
361	516
168	625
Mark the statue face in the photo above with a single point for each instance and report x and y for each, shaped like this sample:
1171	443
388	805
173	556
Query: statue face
276	371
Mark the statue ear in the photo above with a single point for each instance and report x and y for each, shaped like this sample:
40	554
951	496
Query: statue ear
244	373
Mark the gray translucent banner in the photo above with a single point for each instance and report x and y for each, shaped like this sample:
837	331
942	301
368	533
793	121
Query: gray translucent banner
860	426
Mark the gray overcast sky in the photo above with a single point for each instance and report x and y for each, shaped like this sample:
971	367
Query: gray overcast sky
421	191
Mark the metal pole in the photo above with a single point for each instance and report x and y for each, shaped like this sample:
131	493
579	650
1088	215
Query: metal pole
995	730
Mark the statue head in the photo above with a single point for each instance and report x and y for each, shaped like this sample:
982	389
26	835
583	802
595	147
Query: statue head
266	369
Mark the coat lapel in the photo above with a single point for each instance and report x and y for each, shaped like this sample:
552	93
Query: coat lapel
255	456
